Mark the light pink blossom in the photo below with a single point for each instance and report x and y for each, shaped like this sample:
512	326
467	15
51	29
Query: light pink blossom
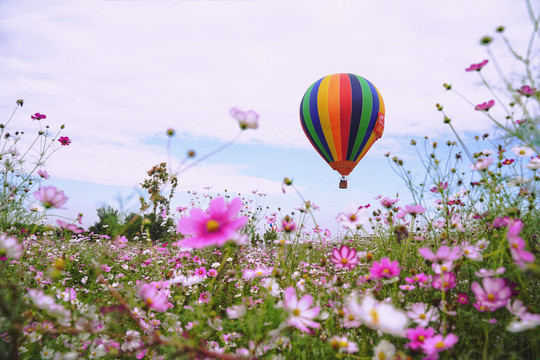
300	314
51	197
491	295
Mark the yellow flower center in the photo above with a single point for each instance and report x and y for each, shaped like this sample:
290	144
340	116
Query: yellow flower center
421	338
352	217
445	284
386	271
374	316
212	226
444	268
491	297
351	318
344	261
515	246
382	356
439	345
422	316
296	312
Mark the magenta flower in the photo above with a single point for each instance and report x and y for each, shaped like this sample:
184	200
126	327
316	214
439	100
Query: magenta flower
300	314
345	257
526	90
477	67
200	271
434	345
205	297
517	244
64	140
439	188
384	269
444	253
214	227
485	106
414	209
493	294
462	298
417	336
38	116
51	197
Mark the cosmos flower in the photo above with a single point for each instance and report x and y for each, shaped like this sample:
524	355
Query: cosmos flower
526	90
214	227
482	164
10	247
64	140
38	116
491	295
477	67
51	197
485	106
523	151
345	257
384	269
246	119
300	314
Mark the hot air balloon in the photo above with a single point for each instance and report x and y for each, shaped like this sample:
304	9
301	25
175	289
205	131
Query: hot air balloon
342	116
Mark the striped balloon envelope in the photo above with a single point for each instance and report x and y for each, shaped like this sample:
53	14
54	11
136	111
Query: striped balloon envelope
342	116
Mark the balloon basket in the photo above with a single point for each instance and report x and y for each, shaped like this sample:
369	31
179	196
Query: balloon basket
342	184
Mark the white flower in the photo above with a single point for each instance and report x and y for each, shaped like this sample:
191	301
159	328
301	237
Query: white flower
272	286
517	181
246	120
534	164
482	164
421	314
384	350
525	322
46	353
343	344
378	315
132	342
236	311
522	151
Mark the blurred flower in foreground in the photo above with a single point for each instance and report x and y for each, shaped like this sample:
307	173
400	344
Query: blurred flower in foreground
9	248
378	315
485	106
214	227
477	67
246	119
51	197
64	140
300	314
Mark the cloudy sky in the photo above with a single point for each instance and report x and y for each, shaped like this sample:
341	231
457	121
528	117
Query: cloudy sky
118	74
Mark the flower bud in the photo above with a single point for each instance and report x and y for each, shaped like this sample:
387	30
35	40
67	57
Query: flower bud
287	181
439	106
447	86
191	153
486	40
447	120
20	102
413	142
500	29
170	132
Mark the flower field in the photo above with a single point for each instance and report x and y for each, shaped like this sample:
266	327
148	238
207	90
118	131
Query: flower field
452	275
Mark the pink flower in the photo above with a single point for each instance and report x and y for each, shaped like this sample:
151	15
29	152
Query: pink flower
388	203
43	174
64	140
10	248
121	242
345	257
417	336
200	271
482	164
212	272
246	119
485	106
445	281
300	314
493	294
444	253
153	297
215	227
462	298
414	209
69	227
526	90
439	188
258	272
38	116
477	67
204	297
51	197
433	345
517	244
384	269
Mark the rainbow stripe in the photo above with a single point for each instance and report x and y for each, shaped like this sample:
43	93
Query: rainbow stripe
338	114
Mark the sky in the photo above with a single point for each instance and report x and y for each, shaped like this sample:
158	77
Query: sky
118	74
